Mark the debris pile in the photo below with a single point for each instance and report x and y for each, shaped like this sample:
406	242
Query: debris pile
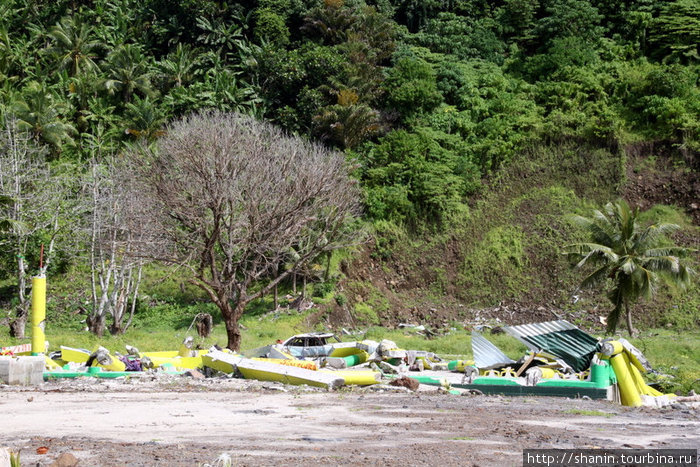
561	361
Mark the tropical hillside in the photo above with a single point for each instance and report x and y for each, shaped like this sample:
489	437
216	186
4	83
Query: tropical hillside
475	130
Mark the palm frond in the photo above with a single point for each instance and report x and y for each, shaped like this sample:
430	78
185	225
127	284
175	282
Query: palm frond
591	253
650	236
580	221
628	266
602	230
616	297
669	264
596	277
643	282
678	251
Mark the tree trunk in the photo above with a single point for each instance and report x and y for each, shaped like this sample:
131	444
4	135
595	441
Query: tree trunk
275	295
134	298
231	316
630	329
18	325
327	272
96	324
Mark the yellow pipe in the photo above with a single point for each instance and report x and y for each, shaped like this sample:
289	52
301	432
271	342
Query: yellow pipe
644	388
38	314
636	376
297	363
356	377
610	348
628	388
113	365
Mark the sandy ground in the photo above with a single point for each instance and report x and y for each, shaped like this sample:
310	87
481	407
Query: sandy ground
180	421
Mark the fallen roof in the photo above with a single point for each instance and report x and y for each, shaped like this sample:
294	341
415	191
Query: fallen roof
559	338
486	354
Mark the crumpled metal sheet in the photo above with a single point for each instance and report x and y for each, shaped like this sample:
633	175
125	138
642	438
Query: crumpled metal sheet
313	351
486	354
559	338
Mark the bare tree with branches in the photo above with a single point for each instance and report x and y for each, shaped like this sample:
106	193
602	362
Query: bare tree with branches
117	233
234	196
37	201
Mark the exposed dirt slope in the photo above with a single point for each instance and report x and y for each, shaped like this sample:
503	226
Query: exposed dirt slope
436	279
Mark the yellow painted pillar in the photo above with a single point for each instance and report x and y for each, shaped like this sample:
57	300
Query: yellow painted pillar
38	314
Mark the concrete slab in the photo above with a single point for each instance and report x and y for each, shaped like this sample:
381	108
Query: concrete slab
22	371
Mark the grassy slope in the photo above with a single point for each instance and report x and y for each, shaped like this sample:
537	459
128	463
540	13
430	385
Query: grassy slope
507	248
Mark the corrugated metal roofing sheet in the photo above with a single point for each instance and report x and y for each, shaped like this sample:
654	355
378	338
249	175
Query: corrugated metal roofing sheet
559	338
486	354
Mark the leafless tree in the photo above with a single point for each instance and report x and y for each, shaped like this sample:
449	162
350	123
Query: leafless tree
37	200
234	197
117	233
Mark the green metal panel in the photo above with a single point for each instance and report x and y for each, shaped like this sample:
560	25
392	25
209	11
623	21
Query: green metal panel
554	391
559	338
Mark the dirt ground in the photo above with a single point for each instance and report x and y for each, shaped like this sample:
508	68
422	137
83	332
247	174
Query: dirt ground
185	422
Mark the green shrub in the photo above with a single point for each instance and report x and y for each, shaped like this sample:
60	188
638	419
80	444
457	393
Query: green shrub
341	299
321	289
365	314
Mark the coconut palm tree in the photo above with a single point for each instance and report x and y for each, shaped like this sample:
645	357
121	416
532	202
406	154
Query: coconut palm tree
41	112
634	260
144	119
74	45
349	122
128	73
179	67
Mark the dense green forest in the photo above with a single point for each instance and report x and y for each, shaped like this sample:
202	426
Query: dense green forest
474	128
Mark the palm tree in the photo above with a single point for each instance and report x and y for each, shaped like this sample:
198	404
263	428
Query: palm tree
74	45
227	38
349	122
179	67
41	112
17	56
633	259
144	119
128	72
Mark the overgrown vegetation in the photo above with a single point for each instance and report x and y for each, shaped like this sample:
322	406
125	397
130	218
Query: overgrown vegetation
474	128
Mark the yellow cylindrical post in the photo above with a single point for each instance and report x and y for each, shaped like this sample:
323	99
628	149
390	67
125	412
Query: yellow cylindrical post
38	314
628	389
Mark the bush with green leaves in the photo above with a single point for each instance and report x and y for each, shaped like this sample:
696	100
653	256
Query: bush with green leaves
416	175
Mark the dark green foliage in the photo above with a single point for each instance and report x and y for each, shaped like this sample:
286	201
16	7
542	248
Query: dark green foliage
463	37
430	96
270	26
411	87
567	18
676	32
412	176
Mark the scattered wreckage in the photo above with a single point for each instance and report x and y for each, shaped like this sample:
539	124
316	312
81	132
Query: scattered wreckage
561	360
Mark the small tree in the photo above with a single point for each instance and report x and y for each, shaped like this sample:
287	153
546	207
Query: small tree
633	259
115	228
233	196
36	205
